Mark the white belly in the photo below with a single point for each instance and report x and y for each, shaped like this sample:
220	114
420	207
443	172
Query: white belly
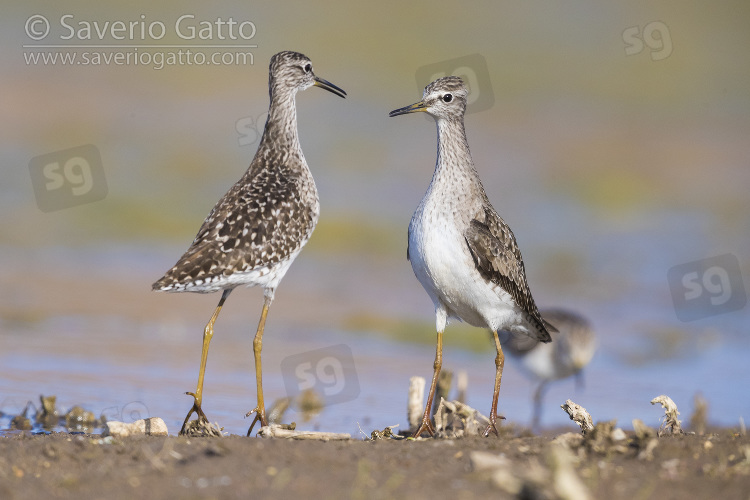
442	263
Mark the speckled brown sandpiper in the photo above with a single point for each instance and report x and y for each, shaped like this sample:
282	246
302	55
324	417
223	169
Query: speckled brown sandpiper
257	229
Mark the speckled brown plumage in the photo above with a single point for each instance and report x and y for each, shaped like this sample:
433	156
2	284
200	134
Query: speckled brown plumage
498	259
265	219
257	229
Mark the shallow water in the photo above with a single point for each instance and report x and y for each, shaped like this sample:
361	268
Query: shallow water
139	361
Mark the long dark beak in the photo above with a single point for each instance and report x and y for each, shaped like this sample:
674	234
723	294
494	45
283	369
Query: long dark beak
417	106
324	84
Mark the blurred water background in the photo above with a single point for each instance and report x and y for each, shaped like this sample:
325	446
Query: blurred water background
614	141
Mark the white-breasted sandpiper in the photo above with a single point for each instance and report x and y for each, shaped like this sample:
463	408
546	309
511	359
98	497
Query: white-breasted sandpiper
462	252
257	229
571	349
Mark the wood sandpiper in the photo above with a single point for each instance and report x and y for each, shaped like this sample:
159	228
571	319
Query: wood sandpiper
462	252
257	229
569	352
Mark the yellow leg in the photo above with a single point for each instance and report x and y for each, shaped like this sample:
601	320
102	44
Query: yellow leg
208	333
426	422
499	363
260	410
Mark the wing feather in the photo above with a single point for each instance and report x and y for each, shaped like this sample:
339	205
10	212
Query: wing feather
497	257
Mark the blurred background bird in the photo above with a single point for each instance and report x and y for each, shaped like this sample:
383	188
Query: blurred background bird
572	348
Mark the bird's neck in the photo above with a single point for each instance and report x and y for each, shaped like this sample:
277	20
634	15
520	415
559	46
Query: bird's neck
280	132
454	169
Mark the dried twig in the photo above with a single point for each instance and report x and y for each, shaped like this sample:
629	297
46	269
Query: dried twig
579	415
645	440
670	423
386	433
443	389
699	418
366	437
278	431
462	385
415	405
603	438
278	409
454	419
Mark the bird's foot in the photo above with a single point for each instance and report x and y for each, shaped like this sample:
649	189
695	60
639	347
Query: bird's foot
491	427
196	408
426	425
260	416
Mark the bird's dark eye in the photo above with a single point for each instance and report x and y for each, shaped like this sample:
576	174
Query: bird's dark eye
447	98
308	67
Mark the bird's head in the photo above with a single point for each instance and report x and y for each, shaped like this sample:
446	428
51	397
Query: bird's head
291	72
444	98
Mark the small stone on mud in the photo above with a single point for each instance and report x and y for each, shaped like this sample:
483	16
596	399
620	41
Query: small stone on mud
618	434
145	427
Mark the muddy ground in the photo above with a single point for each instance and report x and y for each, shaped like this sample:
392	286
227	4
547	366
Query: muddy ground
61	465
